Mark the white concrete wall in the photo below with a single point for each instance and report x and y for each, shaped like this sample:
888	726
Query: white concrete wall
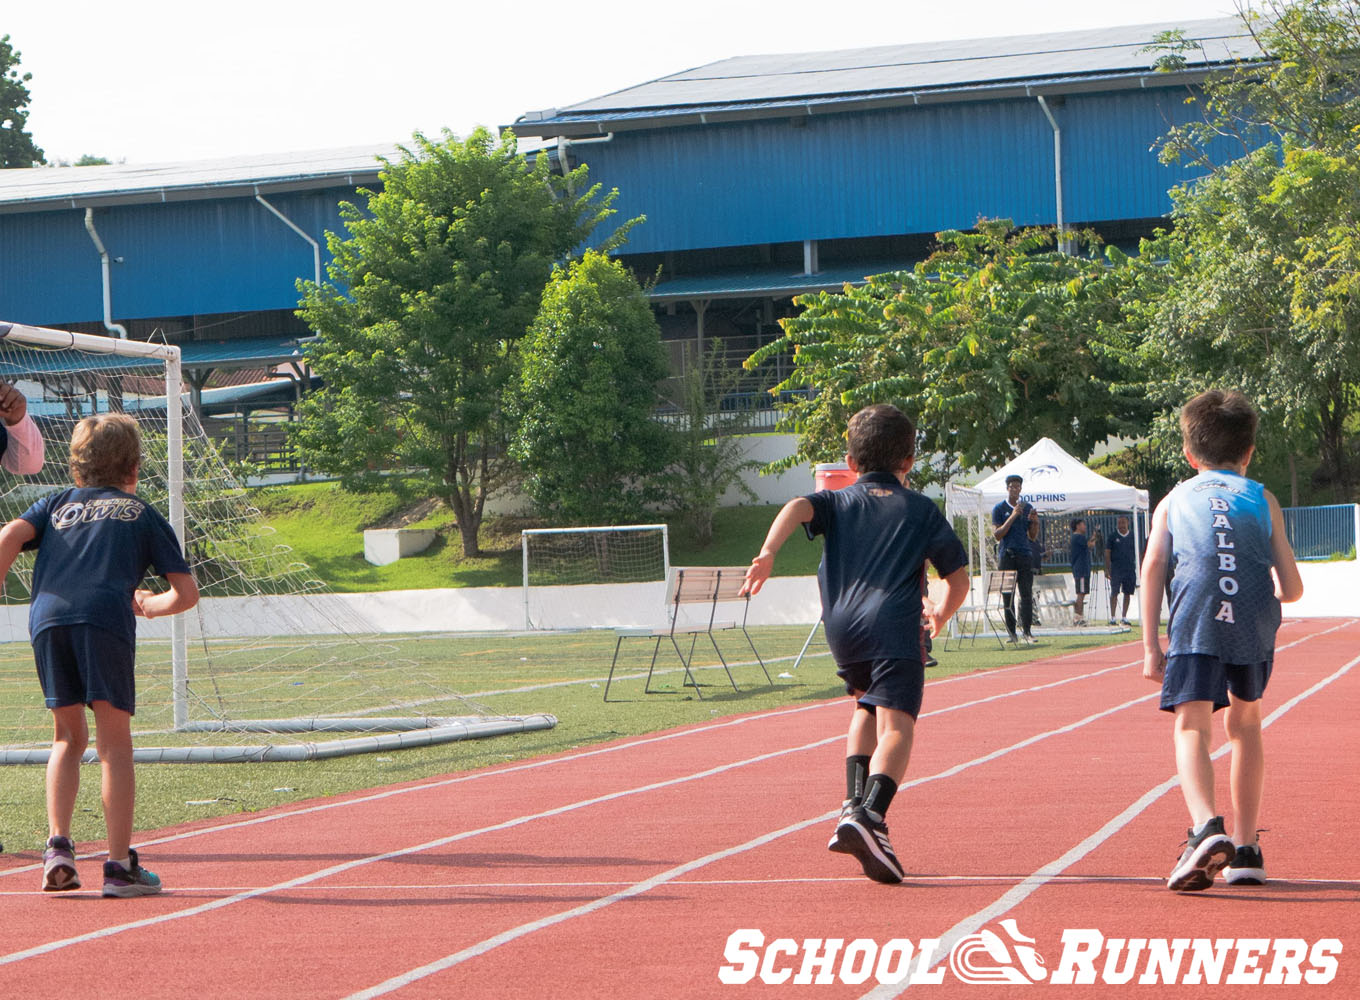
1331	590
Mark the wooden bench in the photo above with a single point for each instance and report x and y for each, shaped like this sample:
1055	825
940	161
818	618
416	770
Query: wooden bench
693	586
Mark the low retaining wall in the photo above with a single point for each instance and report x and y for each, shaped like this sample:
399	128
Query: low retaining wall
1330	591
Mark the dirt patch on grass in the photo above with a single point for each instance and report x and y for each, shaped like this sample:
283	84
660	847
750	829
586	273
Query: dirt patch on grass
410	515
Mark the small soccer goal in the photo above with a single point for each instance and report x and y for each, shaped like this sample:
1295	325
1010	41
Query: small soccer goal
269	665
573	576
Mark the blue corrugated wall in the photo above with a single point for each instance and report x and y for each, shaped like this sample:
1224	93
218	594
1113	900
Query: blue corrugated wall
906	170
181	258
873	173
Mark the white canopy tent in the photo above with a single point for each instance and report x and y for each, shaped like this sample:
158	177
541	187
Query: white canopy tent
1054	482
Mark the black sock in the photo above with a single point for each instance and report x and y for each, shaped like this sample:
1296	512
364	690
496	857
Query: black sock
878	794
856	775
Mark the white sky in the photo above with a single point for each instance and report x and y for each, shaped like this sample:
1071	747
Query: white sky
153	80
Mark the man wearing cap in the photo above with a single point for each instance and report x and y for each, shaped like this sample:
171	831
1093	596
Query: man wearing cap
1015	525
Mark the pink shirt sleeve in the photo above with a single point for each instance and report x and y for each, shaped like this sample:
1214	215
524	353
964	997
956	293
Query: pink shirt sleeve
24	454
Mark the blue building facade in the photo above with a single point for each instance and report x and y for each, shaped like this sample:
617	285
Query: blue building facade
759	177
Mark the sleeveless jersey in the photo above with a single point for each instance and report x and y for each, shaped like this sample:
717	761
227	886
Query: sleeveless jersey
1223	600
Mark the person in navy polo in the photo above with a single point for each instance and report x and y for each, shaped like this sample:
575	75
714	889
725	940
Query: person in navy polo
1015	525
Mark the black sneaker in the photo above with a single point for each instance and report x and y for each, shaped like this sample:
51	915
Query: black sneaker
1206	854
128	882
59	866
1247	867
866	838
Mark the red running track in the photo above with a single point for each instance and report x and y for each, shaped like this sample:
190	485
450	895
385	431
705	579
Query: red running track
1040	816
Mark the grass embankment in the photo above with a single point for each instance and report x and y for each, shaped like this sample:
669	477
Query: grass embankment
324	525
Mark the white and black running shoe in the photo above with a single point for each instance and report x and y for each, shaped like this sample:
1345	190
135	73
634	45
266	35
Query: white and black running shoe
1206	854
1248	867
834	844
866	837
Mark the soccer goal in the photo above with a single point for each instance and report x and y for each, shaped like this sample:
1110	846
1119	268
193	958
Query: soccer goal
575	577
268	650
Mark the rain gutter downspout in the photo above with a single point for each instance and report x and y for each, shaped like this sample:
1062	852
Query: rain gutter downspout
109	324
316	247
1063	246
564	149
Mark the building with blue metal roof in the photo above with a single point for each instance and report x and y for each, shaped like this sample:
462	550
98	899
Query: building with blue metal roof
764	176
760	177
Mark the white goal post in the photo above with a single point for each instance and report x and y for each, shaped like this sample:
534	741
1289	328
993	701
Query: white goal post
268	648
559	563
168	354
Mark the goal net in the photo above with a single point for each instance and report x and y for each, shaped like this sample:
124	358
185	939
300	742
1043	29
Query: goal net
269	665
573	576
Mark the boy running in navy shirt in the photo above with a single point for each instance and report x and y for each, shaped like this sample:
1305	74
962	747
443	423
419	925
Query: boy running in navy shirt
95	543
1221	537
879	535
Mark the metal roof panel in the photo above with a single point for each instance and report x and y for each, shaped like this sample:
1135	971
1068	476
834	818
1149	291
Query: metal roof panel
908	68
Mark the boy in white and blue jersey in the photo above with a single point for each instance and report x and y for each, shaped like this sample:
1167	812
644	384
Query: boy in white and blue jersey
878	537
1220	539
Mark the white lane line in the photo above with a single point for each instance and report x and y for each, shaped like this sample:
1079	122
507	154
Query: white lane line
571	758
514	933
1048	872
350	889
358	862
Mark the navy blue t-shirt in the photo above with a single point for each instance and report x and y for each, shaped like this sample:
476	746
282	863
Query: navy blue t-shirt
879	535
1123	565
1016	539
1080	554
94	548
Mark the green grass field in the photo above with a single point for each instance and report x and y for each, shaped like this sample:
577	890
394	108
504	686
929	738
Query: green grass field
560	674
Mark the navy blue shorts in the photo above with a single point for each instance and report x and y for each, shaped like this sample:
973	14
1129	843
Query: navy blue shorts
82	664
1081	583
1197	677
897	684
1123	584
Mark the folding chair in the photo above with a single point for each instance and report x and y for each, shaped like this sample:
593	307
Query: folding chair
711	585
978	616
1050	593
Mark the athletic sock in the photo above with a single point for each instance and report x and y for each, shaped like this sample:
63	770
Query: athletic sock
856	775
878	794
125	864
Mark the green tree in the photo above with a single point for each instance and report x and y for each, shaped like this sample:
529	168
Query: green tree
1261	267
1298	89
438	278
586	439
17	148
994	341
